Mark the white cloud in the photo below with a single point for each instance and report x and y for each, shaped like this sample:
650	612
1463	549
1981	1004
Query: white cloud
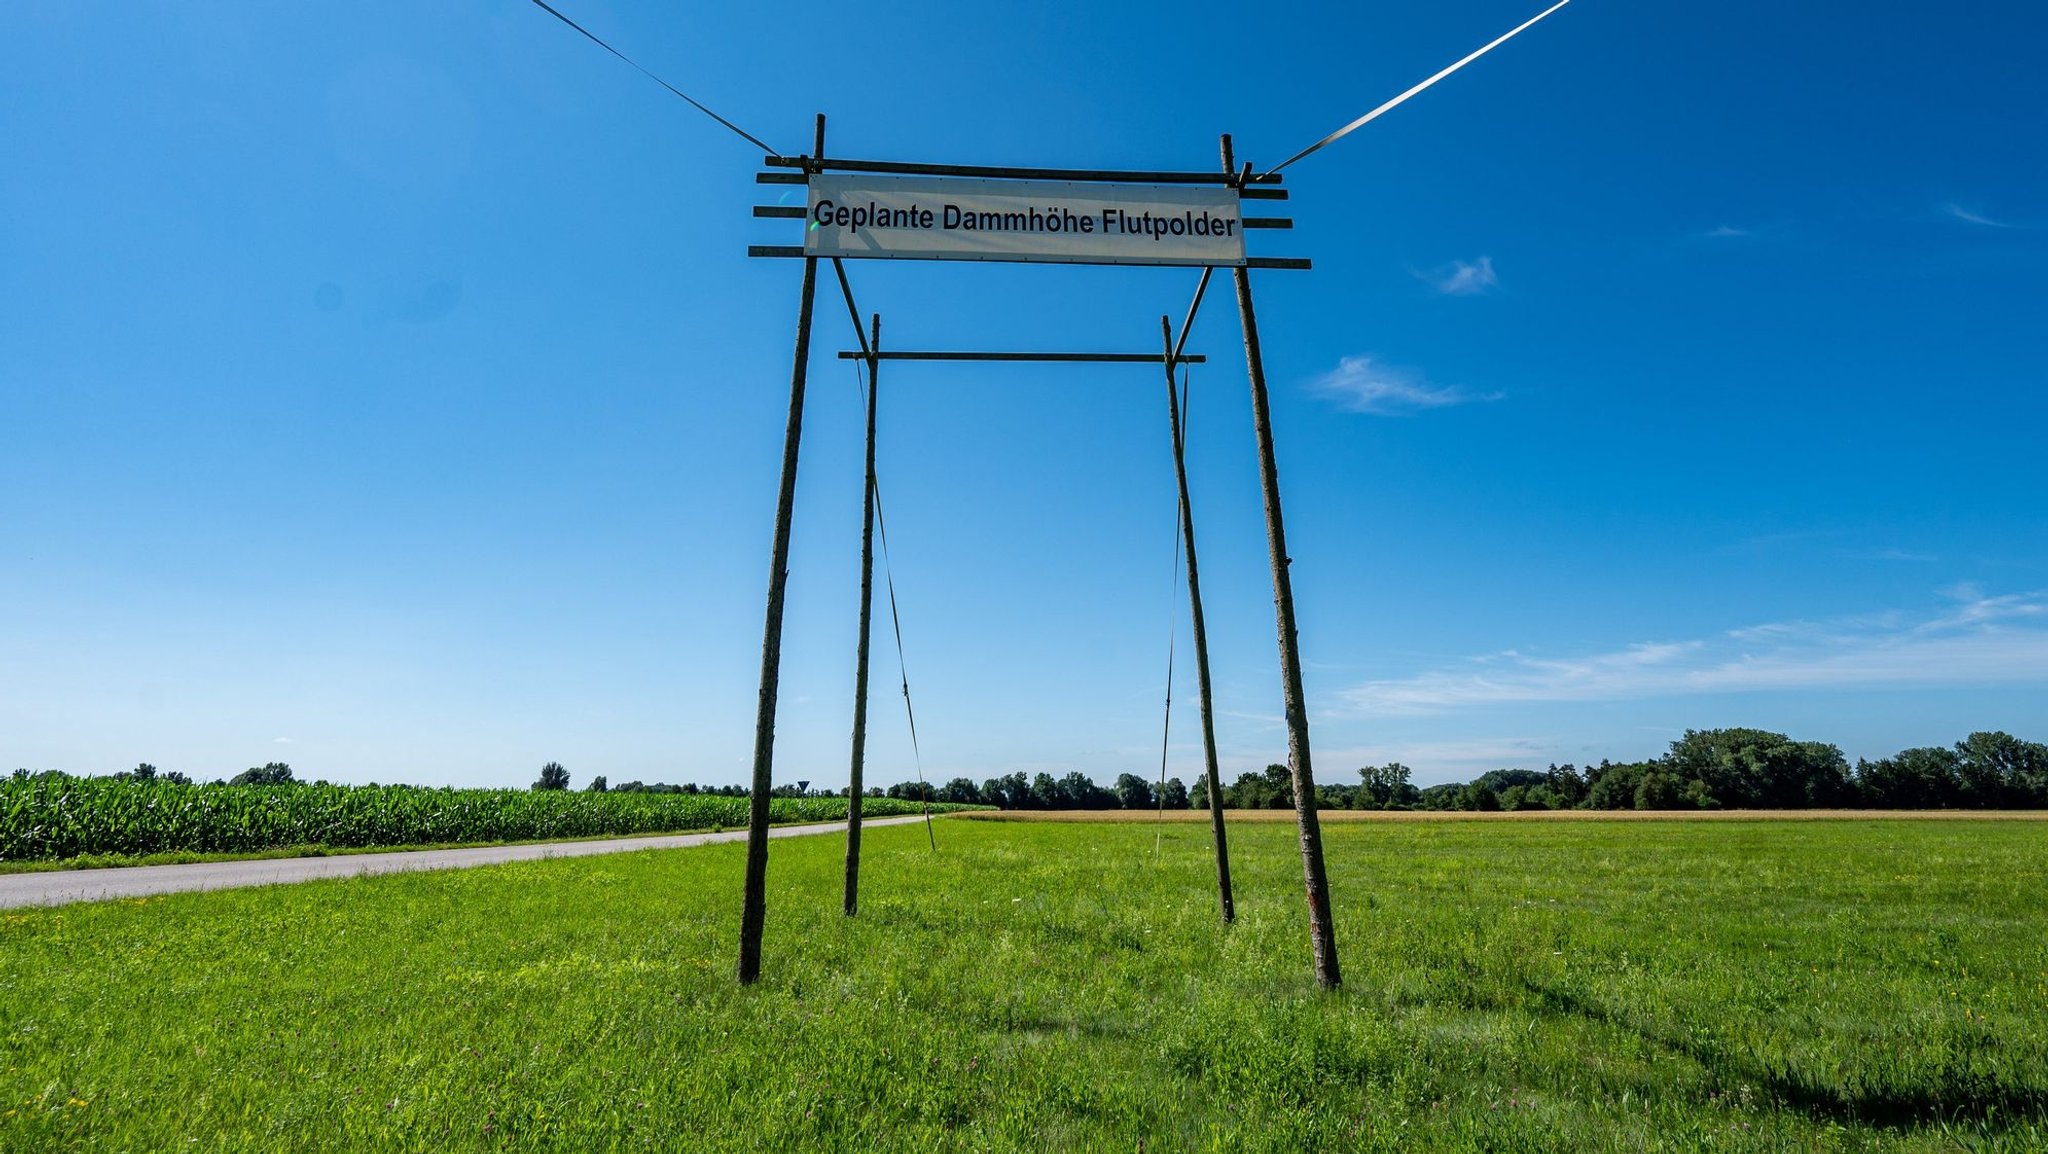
1976	640
280	741
1463	278
1726	232
1363	385
1963	214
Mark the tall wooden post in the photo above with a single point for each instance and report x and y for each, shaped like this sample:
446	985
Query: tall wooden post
1322	932
1187	532
867	601
753	909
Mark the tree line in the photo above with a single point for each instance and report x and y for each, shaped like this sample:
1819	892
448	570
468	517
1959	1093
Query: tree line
1705	769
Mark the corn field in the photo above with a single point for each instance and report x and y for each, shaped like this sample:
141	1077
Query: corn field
51	816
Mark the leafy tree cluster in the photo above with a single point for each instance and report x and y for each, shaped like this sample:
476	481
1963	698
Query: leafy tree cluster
144	771
1705	769
1044	791
1757	769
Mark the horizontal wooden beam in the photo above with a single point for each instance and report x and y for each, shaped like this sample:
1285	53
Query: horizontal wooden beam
796	250
999	172
800	178
1088	358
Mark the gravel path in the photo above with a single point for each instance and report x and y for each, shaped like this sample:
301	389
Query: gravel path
58	887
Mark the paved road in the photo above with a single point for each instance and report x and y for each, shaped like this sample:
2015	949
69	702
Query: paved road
57	887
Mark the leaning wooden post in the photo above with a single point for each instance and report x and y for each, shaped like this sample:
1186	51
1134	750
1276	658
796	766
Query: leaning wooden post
867	601
1187	532
1321	931
753	909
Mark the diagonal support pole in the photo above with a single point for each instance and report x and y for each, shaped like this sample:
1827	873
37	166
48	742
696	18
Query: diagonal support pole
867	603
1321	931
754	899
1226	902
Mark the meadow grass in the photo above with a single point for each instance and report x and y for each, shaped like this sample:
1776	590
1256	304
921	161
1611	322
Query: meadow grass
1724	985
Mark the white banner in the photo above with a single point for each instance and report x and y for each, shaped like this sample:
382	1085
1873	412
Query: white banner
1075	222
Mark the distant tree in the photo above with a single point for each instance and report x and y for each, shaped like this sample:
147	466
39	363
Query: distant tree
1998	769
1198	797
1079	791
1757	769
173	777
1477	797
597	785
1174	795
1614	786
1444	796
1565	784
273	773
1045	792
1012	791
1249	791
961	791
1280	787
1660	789
913	791
143	771
1502	780
552	776
1384	787
1133	792
1697	796
1925	778
1517	798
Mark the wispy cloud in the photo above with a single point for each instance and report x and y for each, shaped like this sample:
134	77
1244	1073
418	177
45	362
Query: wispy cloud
1963	214
1463	278
281	741
1975	639
1490	751
1728	232
1363	385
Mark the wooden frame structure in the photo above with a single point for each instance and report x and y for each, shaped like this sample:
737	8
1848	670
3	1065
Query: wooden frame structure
799	170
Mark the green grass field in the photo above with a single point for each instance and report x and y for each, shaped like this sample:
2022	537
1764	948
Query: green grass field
1829	985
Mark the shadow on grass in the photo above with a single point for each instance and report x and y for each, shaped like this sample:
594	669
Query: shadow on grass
1952	1096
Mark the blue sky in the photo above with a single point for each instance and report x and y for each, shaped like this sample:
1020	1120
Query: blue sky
384	388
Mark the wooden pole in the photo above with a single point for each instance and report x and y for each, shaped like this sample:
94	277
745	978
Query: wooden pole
1321	931
860	675
753	908
1187	532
